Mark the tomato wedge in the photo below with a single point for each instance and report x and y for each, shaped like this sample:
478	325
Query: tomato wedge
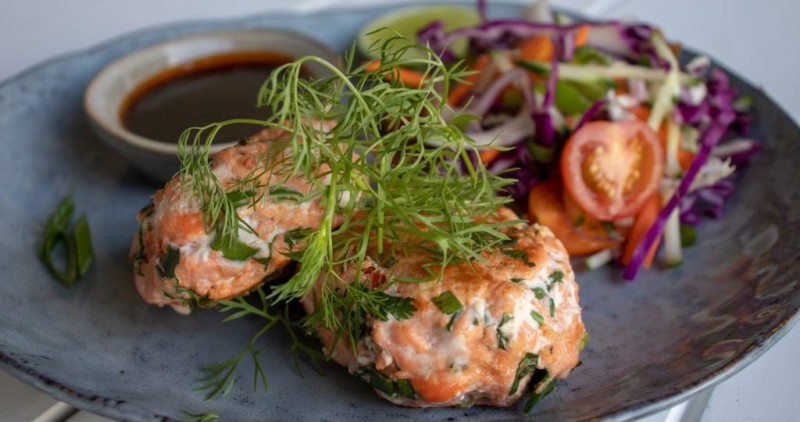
610	169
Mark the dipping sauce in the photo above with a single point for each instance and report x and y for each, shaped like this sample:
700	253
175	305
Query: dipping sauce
208	90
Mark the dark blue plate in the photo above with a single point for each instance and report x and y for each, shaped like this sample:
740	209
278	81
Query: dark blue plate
100	348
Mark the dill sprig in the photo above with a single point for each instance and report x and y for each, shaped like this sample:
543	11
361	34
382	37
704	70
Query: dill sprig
393	175
220	378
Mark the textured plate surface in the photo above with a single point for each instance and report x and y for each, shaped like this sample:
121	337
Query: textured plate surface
99	347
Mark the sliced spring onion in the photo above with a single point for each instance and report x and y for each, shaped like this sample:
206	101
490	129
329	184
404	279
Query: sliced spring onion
663	103
605	74
77	243
688	235
234	250
673	166
448	303
599	259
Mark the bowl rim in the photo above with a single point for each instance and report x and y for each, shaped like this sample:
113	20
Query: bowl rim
124	136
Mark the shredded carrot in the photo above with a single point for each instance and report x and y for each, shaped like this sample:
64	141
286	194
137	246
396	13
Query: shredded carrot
646	217
581	35
488	155
407	77
685	157
536	48
546	206
461	90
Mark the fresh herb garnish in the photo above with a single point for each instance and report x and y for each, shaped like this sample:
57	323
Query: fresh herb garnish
584	341
527	366
77	241
502	339
543	384
199	417
190	298
537	317
169	262
555	277
282	193
219	378
389	386
552	307
233	249
449	304
539	293
518	254
414	180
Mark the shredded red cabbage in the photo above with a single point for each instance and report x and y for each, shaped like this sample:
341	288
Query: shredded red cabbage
707	201
712	135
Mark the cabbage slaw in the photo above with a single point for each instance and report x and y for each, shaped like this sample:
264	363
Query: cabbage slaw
602	71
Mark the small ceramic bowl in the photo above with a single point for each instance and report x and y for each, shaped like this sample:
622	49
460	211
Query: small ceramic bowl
108	91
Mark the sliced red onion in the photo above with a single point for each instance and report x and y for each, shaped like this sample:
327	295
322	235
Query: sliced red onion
637	88
509	133
739	151
708	201
481	105
698	66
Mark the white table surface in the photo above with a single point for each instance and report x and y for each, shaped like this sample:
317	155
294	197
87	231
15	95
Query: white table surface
754	38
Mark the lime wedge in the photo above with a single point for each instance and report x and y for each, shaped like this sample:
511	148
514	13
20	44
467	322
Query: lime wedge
409	21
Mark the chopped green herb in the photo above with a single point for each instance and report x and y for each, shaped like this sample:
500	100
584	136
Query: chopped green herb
688	235
579	221
584	341
168	262
539	293
517	279
233	249
282	193
475	321
189	297
390	387
77	242
502	339
199	417
527	366
448	303
537	317
540	389
240	198
295	236
552	307
83	245
555	277
400	307
518	254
